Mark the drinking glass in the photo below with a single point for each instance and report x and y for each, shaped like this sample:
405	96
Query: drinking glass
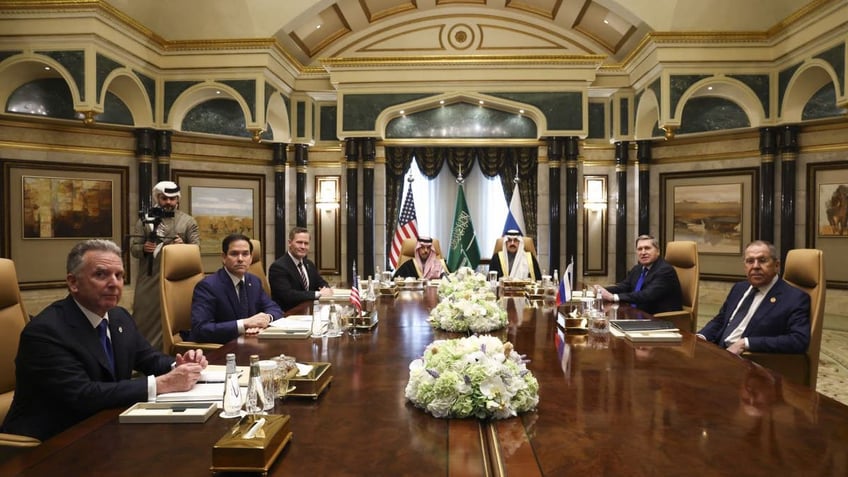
268	371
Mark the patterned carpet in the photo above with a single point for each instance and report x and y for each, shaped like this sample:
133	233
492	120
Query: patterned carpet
833	365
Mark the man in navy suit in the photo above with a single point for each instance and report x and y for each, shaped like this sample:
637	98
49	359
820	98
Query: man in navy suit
651	285
77	356
763	313
294	279
231	302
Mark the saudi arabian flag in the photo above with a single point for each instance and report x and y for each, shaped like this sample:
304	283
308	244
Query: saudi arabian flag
464	251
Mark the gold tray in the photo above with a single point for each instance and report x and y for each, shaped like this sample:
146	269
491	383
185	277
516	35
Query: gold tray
233	453
391	291
367	321
314	383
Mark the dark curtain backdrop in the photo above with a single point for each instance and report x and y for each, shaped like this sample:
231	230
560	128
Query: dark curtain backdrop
503	162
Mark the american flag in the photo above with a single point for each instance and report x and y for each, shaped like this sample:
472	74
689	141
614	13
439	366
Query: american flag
407	227
354	292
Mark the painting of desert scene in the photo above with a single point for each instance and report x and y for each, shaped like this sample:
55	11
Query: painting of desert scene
710	215
220	211
833	210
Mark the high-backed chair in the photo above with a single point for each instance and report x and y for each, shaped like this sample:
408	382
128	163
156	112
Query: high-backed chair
407	250
529	246
804	269
181	271
257	265
13	318
683	256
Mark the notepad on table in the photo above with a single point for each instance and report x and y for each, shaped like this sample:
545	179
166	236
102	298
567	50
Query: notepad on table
669	336
200	392
643	325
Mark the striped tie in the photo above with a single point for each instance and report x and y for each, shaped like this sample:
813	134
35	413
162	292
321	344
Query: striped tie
303	276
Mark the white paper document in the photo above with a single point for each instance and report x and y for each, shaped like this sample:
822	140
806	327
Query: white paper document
201	392
293	323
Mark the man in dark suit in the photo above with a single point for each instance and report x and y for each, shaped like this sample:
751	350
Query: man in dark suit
651	285
231	302
294	279
77	356
763	313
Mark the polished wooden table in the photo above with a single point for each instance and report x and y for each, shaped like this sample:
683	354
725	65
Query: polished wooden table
606	408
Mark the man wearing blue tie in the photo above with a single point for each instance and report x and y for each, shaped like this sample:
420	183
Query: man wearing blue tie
763	313
77	357
231	301
652	285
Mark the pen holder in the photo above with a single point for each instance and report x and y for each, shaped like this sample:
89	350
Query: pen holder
236	451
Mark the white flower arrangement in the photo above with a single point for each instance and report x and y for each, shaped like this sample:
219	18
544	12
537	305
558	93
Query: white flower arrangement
476	376
467	304
464	283
478	314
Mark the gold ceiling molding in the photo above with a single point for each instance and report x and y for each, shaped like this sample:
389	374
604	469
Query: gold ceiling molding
703	38
423	61
798	16
100	6
375	16
94	6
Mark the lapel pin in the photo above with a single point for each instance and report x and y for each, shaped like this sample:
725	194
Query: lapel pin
773	300
120	329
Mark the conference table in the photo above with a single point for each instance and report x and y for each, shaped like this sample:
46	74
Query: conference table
607	407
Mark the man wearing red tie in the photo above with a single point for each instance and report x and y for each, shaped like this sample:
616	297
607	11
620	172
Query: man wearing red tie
652	285
294	278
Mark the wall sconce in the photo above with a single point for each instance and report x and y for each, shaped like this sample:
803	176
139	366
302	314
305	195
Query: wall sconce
595	225
596	193
327	192
327	238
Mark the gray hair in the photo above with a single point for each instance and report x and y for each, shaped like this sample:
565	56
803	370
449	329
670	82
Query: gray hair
648	237
75	256
771	248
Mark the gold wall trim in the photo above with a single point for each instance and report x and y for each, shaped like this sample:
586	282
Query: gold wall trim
426	60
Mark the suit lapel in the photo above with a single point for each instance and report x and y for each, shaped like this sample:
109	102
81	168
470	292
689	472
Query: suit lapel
89	338
232	294
766	306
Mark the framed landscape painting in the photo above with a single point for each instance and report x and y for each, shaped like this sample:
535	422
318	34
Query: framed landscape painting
222	204
827	217
715	209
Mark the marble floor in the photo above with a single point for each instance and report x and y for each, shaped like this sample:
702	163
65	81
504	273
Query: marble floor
833	365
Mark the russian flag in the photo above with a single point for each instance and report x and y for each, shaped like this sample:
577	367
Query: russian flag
515	215
563	294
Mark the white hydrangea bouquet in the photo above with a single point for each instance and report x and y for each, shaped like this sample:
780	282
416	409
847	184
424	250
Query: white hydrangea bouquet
464	283
476	376
467	305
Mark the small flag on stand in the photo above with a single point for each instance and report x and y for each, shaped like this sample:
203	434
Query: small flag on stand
407	227
354	292
564	291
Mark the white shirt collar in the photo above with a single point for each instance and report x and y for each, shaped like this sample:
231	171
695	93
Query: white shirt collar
92	317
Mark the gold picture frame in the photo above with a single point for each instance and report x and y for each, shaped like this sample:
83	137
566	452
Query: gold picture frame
49	207
718	210
826	232
222	203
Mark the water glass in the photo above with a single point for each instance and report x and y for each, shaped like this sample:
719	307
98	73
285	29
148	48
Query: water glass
599	322
268	372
